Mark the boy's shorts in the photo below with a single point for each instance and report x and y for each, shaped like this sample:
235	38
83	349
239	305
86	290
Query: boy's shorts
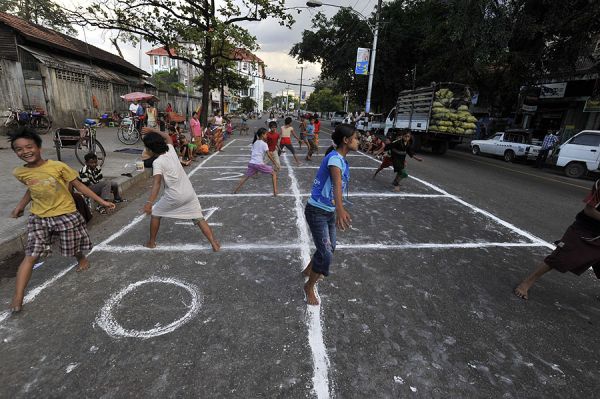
70	229
576	251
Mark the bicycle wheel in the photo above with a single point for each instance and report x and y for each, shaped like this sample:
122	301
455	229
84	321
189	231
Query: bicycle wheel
84	146
42	124
128	136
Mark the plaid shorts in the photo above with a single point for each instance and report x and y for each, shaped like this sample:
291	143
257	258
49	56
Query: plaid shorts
70	228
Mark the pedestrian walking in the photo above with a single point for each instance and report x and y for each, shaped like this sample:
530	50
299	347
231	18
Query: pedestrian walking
53	210
325	210
400	148
577	250
550	141
257	164
286	140
179	200
310	139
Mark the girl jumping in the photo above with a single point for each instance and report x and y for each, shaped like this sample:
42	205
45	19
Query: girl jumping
257	164
325	207
286	141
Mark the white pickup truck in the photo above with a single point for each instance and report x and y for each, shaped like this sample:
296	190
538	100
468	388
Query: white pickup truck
511	145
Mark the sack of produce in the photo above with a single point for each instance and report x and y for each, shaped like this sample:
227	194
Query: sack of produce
463	108
437	104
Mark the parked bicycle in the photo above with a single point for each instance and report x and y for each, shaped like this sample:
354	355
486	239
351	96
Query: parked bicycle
127	132
82	140
36	119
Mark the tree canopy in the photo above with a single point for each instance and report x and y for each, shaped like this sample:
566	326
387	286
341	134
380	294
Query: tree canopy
324	100
167	81
196	31
42	12
494	46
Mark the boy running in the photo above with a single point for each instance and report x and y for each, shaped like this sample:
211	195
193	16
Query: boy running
53	211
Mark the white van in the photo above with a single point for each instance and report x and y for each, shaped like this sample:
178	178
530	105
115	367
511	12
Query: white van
580	154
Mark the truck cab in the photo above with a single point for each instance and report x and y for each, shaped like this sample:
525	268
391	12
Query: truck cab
580	154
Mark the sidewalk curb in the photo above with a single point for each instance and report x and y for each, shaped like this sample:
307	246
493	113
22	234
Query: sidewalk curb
17	242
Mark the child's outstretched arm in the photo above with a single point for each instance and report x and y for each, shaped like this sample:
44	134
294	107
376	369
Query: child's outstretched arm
165	135
20	208
342	218
156	183
295	135
85	190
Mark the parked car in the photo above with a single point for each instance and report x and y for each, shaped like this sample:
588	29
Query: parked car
580	154
338	117
511	145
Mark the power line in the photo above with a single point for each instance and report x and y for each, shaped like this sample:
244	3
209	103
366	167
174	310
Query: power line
270	79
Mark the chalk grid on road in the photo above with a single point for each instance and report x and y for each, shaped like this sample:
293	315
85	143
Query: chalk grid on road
321	384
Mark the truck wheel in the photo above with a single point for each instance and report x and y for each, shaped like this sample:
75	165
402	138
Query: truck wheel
575	170
439	147
509	156
475	150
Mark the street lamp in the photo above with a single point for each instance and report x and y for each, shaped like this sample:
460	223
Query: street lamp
374	30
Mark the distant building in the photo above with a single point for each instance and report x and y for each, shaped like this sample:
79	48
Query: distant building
161	62
253	68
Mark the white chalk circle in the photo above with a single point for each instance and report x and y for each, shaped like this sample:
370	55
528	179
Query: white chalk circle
107	322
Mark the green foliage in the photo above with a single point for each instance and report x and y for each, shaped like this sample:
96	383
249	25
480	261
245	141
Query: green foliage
168	81
494	46
267	100
325	100
247	104
42	12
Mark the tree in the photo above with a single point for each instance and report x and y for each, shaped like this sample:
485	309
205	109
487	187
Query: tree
325	100
267	100
42	12
247	104
167	81
195	31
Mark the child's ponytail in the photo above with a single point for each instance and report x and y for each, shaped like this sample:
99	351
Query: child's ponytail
258	133
340	133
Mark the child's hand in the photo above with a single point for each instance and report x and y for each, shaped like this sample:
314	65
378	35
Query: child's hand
16	213
148	208
343	219
108	205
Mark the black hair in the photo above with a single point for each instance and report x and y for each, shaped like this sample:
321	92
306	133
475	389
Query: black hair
24	133
341	132
288	120
272	124
194	113
151	103
155	143
259	133
90	156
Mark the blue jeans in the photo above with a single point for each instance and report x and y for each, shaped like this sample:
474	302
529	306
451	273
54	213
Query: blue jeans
322	227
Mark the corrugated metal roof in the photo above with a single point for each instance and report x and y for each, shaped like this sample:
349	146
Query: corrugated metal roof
53	39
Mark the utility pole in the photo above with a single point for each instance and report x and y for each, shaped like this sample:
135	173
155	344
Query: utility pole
373	56
300	101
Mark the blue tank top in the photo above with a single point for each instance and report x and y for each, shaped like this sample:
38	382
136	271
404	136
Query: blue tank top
321	194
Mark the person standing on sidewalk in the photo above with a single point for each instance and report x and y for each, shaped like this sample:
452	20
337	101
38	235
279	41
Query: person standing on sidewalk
53	211
550	141
152	113
577	250
196	130
325	207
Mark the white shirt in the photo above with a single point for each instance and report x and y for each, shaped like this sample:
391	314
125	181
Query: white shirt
258	152
133	108
179	199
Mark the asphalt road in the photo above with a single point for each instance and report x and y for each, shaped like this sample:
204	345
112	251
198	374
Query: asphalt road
419	302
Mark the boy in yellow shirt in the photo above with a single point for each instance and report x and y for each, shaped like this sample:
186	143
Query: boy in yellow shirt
53	210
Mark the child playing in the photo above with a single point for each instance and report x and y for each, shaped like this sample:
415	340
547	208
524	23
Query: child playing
302	139
228	129
325	207
273	144
257	164
179	200
286	141
91	176
399	148
310	140
53	211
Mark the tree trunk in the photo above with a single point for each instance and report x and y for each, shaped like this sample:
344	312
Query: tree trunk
207	72
222	91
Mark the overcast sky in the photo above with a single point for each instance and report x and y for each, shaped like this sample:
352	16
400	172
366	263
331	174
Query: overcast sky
274	40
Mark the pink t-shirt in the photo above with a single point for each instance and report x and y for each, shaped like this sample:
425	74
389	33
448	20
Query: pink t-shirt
195	127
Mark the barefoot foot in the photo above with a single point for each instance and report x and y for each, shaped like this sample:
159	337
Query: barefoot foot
216	246
311	297
84	264
521	291
16	305
150	244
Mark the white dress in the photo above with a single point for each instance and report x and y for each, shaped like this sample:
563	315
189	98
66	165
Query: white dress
179	200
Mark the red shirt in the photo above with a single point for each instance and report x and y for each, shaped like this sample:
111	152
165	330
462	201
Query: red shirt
317	126
272	139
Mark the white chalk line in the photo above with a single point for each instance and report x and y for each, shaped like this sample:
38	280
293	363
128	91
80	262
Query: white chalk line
34	292
474	208
352	194
246	155
316	342
283	167
195	247
111	326
472	245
